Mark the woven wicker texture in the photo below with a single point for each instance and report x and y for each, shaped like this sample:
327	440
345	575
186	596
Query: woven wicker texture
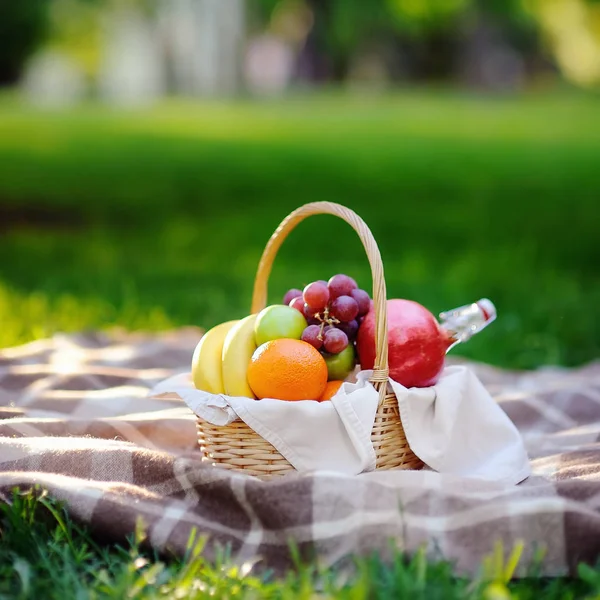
237	446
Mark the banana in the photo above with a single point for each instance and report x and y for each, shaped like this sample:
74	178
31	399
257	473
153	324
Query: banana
207	370
237	351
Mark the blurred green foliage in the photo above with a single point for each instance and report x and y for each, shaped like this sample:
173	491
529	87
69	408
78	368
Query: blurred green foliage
413	39
23	25
158	217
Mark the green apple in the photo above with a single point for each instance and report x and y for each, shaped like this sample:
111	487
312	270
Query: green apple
278	321
339	366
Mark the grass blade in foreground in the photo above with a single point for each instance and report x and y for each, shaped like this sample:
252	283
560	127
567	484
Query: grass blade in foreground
44	554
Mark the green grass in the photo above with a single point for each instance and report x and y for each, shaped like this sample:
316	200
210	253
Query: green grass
44	554
157	217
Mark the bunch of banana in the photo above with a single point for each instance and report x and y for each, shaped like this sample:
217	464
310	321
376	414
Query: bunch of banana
221	358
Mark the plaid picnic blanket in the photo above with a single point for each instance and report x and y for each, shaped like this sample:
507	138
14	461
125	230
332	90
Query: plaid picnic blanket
75	418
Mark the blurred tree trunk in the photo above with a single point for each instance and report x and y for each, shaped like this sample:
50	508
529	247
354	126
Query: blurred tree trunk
131	70
435	56
486	57
204	42
313	63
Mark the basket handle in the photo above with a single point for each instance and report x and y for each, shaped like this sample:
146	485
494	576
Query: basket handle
259	296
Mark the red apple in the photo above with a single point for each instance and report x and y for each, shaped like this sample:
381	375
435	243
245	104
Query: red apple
416	343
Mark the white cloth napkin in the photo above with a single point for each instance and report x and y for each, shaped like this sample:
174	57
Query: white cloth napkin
453	427
456	427
312	435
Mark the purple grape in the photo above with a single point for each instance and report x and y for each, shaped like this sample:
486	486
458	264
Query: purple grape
311	335
350	328
335	340
341	285
322	281
344	308
308	312
316	295
298	304
290	295
363	300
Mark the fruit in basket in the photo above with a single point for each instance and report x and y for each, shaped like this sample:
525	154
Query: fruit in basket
287	369
363	300
333	311
238	347
291	294
339	366
341	285
298	304
312	335
334	340
416	343
350	329
344	308
331	389
316	296
278	321
207	372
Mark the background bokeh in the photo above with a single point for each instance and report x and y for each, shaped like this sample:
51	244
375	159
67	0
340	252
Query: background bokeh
148	149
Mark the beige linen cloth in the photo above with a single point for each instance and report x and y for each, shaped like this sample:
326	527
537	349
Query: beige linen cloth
75	418
455	427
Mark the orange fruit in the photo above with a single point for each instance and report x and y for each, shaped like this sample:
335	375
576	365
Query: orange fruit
331	390
287	370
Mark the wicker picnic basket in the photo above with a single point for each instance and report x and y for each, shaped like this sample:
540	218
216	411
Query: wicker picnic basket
238	447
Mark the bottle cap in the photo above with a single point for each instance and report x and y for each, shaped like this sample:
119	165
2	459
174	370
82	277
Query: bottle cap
464	322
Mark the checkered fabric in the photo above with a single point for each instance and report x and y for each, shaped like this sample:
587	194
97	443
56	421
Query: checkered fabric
75	418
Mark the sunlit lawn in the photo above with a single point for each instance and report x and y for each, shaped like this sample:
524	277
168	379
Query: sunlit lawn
157	217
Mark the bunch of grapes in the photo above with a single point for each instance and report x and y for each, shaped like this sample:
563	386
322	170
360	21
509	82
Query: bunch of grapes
333	309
